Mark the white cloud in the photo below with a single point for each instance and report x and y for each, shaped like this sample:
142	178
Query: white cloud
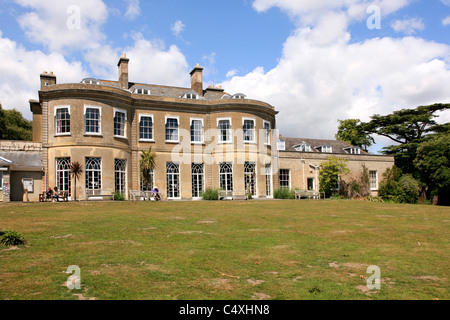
446	21
178	27
408	26
20	70
61	24
446	2
314	85
133	9
152	62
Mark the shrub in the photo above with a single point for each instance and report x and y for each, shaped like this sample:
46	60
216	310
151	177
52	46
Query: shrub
399	188
284	193
11	238
119	196
210	194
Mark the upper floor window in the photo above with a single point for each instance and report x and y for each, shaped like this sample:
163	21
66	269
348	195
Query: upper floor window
353	150
239	96
281	145
325	149
142	91
120	118
172	124
267	130
62	120
196	130
146	127
249	130
190	95
224	128
92	120
303	147
90	81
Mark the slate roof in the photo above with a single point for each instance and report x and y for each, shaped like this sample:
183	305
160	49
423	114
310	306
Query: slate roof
23	160
338	147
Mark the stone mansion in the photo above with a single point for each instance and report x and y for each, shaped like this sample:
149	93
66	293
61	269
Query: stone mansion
201	137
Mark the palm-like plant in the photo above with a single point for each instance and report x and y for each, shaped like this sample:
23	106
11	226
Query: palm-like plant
147	164
76	169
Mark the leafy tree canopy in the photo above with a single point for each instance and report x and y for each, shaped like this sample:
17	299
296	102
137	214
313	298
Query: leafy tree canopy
330	173
352	132
13	126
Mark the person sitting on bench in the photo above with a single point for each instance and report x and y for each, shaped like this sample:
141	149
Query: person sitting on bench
49	193
155	193
56	196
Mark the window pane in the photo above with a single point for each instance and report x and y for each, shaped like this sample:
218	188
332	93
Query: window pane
93	170
62	120
92	122
120	175
249	128
284	178
146	128
224	131
63	174
196	131
172	130
119	124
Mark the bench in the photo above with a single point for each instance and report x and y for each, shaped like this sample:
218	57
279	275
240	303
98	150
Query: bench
225	194
137	195
299	194
96	194
64	195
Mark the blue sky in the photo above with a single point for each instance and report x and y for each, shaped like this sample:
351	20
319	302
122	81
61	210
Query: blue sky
315	61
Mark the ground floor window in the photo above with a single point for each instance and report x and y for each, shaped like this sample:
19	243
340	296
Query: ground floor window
93	172
285	178
268	180
250	178
373	180
149	187
310	183
173	180
197	179
226	176
63	174
120	170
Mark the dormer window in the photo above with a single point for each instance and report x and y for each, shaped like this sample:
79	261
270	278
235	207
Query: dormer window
353	150
281	145
239	96
325	149
144	91
190	95
303	147
90	81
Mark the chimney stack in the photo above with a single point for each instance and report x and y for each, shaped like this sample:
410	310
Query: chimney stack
47	79
123	71
197	79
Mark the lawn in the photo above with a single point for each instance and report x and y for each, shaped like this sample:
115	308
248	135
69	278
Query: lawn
245	250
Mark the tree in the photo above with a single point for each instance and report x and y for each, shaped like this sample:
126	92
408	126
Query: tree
13	126
407	128
147	164
330	174
433	164
352	132
76	170
398	187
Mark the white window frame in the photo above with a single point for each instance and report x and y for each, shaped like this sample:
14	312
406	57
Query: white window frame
289	170
190	95
153	127
230	164
198	179
144	91
99	133
353	150
56	121
178	129
254	130
178	175
267	138
326	149
376	180
116	110
63	172
121	173
202	140
269	180
230	131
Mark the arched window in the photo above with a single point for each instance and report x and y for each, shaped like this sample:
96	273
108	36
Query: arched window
197	179
120	170
226	176
173	180
63	174
250	178
93	169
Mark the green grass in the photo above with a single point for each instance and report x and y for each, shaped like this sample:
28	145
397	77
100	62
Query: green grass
281	249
